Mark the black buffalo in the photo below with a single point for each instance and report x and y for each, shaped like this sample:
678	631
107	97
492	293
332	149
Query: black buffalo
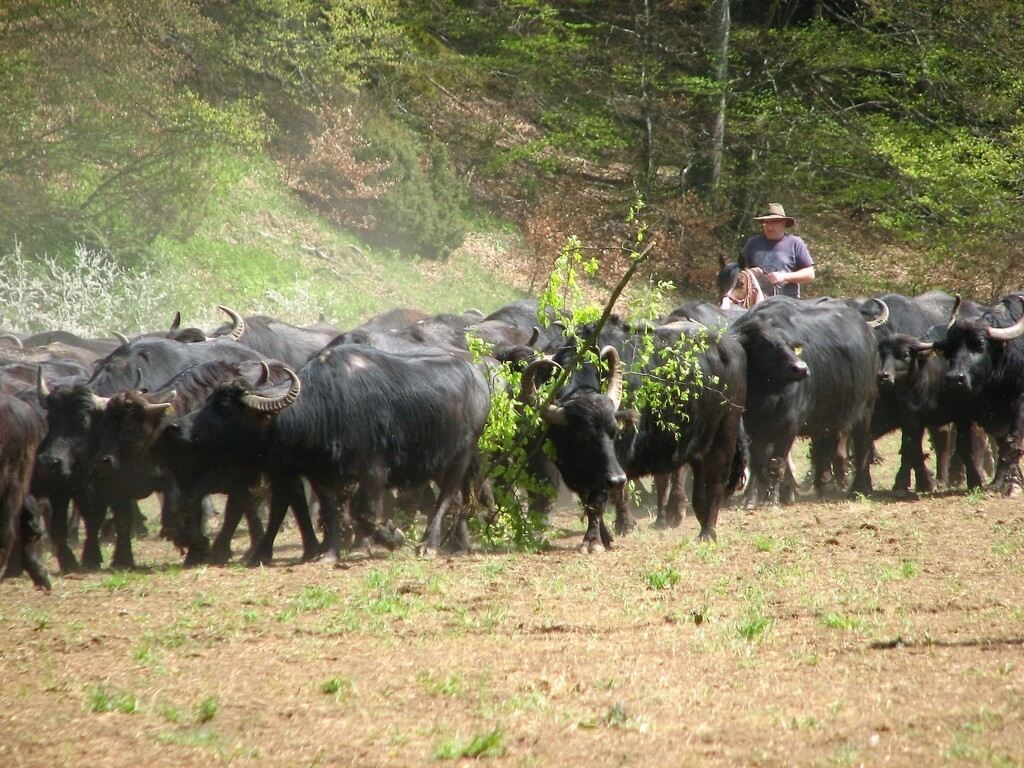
19	527
812	369
365	418
598	446
985	383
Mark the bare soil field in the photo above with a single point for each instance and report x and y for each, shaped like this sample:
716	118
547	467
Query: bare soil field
838	633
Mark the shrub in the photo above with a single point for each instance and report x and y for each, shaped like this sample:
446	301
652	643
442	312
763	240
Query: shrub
90	294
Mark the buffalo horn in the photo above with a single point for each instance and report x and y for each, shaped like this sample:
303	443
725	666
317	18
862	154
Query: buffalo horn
553	414
15	341
41	387
882	318
159	408
1007	334
121	337
100	403
275	404
238	324
264	376
533	336
957	301
175	323
611	354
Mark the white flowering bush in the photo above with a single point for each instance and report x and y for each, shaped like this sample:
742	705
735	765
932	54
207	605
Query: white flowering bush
92	295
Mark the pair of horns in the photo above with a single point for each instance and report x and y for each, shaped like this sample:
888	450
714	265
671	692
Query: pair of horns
265	404
555	414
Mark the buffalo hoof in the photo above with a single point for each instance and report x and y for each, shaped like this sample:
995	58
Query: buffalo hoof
426	552
257	560
591	548
904	494
122	563
707	536
660	524
220	556
328	558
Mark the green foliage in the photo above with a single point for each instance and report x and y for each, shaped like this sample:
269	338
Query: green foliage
88	293
103	700
665	577
207	709
420	205
482	745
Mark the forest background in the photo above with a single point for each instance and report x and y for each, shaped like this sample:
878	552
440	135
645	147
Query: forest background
294	156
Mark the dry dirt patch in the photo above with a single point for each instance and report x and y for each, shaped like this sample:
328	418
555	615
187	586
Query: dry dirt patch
840	633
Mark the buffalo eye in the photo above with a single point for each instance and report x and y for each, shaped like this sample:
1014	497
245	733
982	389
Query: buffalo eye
798	349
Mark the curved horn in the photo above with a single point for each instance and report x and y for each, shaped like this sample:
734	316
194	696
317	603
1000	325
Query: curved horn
883	318
121	337
264	376
99	403
275	404
175	323
140	384
238	327
1007	334
42	390
11	337
957	301
611	354
924	346
158	409
553	414
533	336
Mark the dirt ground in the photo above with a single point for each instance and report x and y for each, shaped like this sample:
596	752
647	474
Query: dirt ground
840	633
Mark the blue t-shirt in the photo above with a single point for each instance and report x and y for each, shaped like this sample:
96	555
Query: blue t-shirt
787	254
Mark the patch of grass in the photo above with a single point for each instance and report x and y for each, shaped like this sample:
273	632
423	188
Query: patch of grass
763	543
310	599
339	687
449	685
198	737
206	710
846	756
490	744
102	700
665	577
842	621
37	619
171	714
1009	541
753	626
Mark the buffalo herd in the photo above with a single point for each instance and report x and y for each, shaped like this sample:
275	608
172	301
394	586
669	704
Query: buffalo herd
352	423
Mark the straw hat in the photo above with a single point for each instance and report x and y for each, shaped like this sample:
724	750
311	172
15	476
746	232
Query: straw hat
776	212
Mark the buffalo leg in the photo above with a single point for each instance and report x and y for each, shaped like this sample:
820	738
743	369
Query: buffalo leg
93	513
625	522
66	559
861	436
31	533
123	511
964	445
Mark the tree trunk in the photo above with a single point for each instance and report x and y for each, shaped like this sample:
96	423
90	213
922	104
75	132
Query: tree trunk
722	24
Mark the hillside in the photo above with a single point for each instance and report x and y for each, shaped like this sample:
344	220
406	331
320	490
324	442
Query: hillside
302	157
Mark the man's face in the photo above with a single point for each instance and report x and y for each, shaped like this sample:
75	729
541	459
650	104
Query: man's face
773	230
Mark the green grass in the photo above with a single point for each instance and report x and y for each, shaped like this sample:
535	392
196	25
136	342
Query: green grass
261	249
340	687
665	577
207	709
490	744
102	700
842	621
